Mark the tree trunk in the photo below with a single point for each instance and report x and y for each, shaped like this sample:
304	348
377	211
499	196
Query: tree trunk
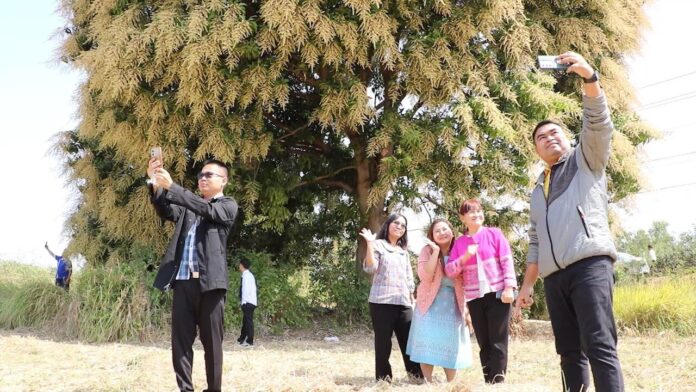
371	217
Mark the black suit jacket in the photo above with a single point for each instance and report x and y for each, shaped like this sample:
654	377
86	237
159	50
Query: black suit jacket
217	218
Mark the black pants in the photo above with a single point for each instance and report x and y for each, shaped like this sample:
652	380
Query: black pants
387	320
191	309
580	302
247	324
490	318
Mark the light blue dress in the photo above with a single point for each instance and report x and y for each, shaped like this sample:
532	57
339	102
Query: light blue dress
440	337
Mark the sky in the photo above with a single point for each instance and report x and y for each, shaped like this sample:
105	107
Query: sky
38	100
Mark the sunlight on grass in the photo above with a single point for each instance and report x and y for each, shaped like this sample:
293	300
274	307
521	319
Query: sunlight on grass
661	304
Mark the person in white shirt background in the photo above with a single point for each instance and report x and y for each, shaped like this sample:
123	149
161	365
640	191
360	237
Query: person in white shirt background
247	298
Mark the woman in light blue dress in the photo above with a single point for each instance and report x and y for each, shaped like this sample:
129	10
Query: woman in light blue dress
439	334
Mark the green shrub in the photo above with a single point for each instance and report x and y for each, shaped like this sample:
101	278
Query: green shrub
667	303
280	305
337	284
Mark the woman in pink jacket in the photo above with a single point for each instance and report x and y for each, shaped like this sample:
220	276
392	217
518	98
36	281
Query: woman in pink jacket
439	335
482	258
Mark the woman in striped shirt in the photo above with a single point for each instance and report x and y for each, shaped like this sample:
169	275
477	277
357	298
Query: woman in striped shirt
482	257
391	294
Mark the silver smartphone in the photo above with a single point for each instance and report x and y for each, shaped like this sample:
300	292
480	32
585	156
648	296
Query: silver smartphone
156	152
551	63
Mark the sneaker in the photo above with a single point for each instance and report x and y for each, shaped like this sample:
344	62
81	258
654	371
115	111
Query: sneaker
245	344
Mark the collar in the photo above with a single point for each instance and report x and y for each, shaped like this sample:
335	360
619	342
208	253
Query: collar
218	196
561	159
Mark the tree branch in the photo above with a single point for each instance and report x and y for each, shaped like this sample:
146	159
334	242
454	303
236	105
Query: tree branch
338	184
302	77
437	203
326	180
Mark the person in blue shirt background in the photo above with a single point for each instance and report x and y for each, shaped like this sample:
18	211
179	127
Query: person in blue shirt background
63	269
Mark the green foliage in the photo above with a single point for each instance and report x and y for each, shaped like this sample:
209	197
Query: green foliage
673	254
538	310
667	303
336	284
279	302
373	104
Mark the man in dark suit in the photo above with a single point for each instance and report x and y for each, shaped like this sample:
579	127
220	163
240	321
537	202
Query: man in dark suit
195	265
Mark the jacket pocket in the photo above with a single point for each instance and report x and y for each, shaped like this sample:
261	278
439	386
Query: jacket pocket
584	222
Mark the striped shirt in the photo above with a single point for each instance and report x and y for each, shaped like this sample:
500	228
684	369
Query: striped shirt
392	281
495	255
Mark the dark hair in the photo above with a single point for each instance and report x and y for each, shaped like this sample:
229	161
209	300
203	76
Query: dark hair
384	231
541	124
217	163
469	205
431	236
245	262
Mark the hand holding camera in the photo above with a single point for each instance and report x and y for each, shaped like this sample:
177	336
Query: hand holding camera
570	62
155	170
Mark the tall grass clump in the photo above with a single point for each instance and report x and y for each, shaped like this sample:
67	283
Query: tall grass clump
667	303
113	304
28	297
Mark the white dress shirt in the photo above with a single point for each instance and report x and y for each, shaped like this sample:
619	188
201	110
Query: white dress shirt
248	288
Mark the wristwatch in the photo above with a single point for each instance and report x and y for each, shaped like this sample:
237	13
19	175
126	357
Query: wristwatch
592	79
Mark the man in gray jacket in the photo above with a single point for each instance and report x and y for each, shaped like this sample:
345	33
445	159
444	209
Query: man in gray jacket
570	245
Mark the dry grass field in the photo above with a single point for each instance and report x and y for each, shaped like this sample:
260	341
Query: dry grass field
32	361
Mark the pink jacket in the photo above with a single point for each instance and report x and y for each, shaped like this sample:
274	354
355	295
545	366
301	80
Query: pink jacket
495	255
430	284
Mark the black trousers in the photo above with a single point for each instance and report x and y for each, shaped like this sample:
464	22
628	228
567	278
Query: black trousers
191	309
386	321
580	303
247	332
490	318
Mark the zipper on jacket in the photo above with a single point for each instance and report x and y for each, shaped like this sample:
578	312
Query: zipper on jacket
582	218
548	231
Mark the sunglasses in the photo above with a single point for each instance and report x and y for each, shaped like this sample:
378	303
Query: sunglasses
208	175
399	224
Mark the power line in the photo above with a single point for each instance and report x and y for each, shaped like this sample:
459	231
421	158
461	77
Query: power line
665	101
667	187
671	156
667	80
671	130
665	165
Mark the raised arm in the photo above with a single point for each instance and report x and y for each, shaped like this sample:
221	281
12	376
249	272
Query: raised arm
453	268
597	128
428	261
219	211
370	263
49	250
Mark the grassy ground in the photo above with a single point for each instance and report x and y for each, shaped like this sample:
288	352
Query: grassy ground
305	362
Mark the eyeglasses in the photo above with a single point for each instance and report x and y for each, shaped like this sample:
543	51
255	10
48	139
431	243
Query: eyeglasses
208	175
399	224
